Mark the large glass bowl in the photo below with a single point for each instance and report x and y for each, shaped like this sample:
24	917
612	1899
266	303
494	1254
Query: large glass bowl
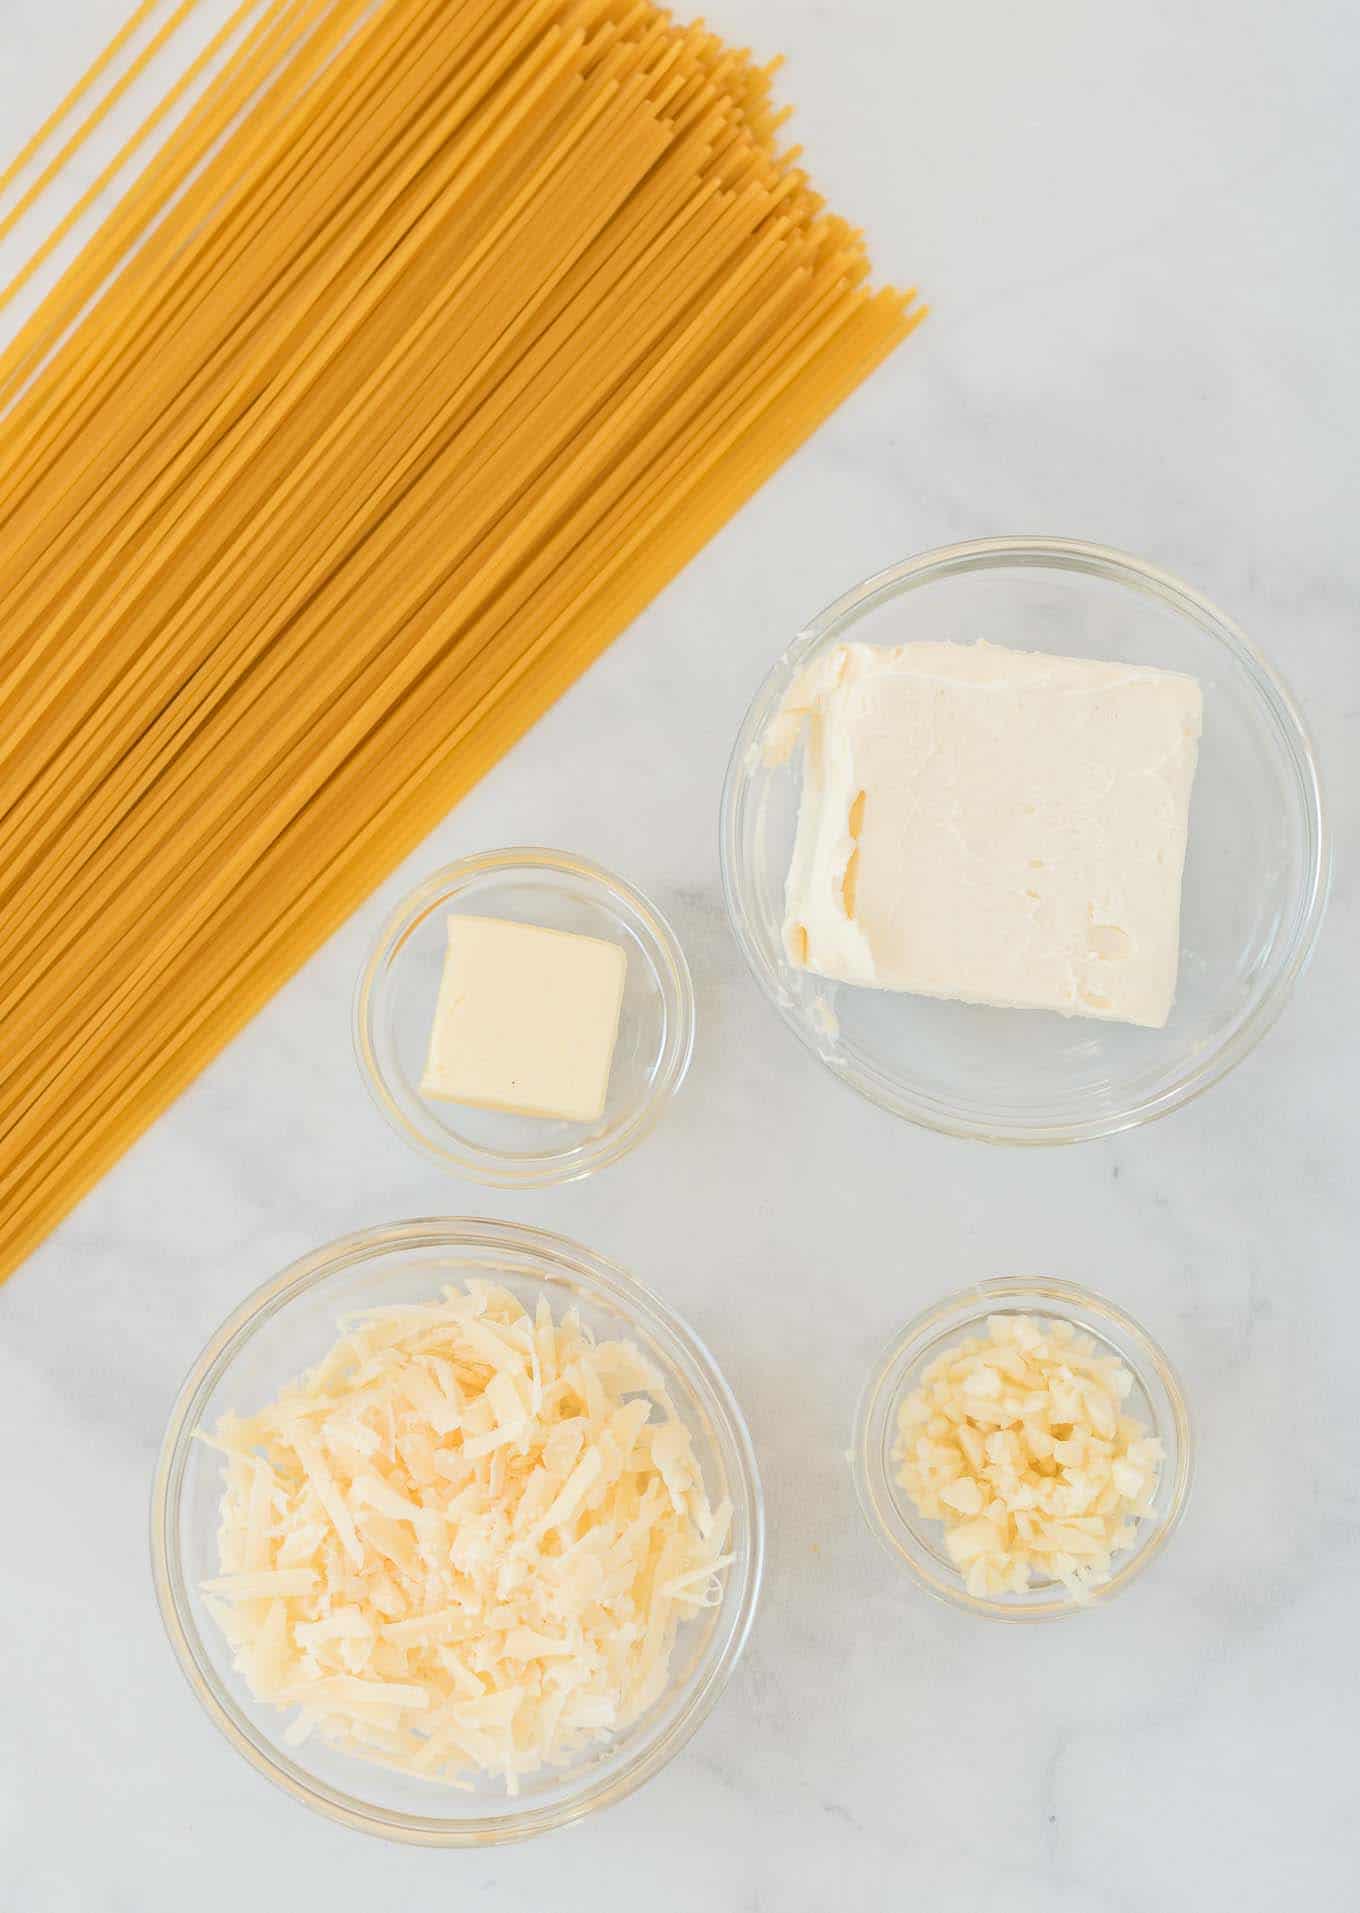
286	1327
1256	873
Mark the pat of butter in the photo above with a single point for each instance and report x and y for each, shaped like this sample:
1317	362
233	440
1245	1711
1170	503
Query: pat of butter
991	825
527	1019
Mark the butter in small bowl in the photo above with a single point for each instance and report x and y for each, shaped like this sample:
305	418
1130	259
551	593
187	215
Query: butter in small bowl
525	1017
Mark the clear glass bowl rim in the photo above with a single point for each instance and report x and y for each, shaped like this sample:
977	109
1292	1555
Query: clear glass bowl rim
955	1314
545	1168
311	1271
1063	554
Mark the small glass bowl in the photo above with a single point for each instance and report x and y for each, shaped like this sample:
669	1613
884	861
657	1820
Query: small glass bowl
1156	1399
1256	873
394	1011
286	1327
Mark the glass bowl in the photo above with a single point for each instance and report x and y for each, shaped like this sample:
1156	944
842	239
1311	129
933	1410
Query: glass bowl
394	1011
1256	872
1155	1399
287	1326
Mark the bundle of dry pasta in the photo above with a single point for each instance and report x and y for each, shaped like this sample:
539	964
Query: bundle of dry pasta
432	340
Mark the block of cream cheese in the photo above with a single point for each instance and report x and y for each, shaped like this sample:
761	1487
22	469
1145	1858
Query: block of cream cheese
992	825
527	1019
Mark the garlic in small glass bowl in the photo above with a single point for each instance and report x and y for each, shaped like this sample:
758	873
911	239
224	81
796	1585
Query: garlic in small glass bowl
994	1314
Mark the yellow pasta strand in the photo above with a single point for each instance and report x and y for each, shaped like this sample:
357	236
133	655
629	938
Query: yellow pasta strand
90	78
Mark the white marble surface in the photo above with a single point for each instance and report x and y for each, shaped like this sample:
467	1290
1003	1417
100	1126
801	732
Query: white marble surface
1137	227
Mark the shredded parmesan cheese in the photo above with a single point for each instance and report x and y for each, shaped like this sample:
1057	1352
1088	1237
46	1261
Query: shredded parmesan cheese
465	1541
1021	1446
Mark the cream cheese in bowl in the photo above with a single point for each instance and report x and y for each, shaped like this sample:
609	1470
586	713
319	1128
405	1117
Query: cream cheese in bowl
878	859
992	825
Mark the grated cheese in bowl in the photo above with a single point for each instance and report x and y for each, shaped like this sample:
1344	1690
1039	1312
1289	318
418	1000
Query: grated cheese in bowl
1021	1443
465	1542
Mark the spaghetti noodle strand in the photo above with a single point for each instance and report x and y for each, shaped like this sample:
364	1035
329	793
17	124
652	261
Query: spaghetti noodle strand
89	79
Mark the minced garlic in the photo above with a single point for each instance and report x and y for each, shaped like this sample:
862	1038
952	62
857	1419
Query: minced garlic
465	1540
1021	1446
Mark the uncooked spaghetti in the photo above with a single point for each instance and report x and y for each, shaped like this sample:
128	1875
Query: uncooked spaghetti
432	340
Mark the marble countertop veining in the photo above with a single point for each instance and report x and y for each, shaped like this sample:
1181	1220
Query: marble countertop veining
1137	228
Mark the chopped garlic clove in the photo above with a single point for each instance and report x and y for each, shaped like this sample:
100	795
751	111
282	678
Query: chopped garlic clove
1021	1446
